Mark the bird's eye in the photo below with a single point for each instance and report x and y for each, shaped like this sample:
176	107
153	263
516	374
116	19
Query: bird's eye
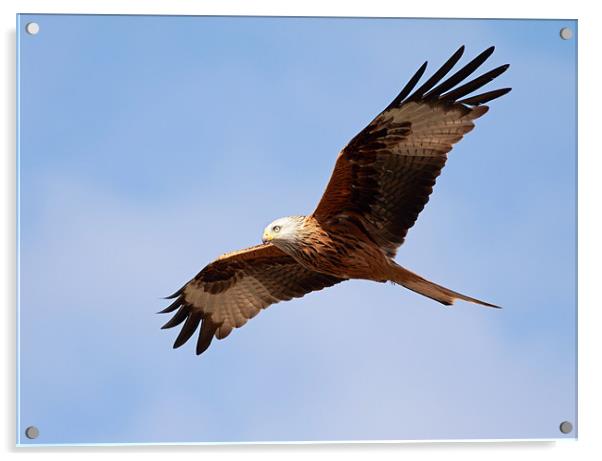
276	229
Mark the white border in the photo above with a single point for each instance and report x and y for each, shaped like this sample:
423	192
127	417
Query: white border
302	442
18	241
589	221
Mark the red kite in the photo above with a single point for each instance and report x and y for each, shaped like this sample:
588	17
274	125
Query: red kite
381	181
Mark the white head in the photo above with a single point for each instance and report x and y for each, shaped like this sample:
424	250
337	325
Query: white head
283	229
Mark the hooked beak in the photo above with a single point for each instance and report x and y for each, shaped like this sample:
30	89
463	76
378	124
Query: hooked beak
266	237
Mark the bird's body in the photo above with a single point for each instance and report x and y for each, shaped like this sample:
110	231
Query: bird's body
341	250
381	181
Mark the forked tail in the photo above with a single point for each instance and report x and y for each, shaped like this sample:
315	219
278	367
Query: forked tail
431	290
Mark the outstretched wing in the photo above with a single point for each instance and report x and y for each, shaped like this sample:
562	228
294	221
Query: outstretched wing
384	176
235	287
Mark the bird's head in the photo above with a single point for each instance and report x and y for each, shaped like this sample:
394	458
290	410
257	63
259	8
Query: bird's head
283	230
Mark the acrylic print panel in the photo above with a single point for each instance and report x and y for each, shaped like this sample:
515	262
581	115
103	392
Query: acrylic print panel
150	145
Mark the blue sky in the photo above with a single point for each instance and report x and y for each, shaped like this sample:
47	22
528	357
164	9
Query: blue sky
150	145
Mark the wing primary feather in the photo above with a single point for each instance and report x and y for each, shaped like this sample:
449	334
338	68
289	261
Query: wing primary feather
178	318
208	329
475	84
408	87
176	294
437	76
191	324
460	75
485	97
172	307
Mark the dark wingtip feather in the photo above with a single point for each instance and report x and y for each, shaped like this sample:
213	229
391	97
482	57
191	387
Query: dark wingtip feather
408	86
208	329
485	97
178	318
191	324
172	307
176	294
485	54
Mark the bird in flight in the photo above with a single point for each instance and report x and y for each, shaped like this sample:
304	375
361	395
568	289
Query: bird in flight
381	181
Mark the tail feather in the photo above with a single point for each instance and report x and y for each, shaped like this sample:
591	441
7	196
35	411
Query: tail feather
431	290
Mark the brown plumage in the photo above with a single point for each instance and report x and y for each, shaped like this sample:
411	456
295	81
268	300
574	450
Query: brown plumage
235	287
381	181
